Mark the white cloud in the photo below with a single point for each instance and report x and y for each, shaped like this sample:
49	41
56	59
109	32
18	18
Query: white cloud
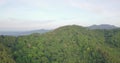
3	2
106	7
58	10
102	7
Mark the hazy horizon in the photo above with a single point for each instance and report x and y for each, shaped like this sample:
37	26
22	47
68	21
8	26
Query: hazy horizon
51	14
22	30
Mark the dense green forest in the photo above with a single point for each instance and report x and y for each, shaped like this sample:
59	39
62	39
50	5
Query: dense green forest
67	44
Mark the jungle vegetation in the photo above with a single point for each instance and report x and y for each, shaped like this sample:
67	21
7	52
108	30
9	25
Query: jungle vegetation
67	44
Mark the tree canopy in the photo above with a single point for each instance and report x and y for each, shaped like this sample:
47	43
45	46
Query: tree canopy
67	44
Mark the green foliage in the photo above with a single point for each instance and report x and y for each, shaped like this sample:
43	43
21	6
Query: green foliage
68	44
5	55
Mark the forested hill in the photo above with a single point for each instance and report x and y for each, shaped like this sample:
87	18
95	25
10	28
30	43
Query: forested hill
67	44
22	33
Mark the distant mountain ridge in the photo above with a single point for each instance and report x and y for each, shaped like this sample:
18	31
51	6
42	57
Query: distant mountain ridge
20	33
103	26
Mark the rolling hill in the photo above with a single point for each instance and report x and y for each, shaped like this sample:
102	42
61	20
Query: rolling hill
67	44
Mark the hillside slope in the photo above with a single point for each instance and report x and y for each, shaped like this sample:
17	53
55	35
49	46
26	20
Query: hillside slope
67	44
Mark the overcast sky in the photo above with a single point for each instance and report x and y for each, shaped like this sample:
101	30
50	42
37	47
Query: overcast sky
50	14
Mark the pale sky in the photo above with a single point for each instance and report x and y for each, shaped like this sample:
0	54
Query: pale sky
50	14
